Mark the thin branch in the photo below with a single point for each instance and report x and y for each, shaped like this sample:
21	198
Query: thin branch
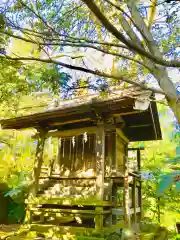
124	13
133	46
68	38
94	72
143	28
38	16
132	35
78	45
121	10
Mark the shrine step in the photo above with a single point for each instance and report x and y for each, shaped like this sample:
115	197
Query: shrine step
76	201
45	184
78	231
52	186
68	215
72	211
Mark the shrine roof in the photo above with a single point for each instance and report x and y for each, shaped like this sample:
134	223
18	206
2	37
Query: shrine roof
131	106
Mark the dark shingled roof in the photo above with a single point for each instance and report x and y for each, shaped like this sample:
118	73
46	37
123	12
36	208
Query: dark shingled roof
140	125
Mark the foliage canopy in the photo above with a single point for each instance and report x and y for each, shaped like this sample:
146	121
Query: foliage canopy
123	41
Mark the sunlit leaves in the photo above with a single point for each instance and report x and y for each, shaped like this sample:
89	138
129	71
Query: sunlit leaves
12	84
2	21
178	186
165	182
47	77
20	48
17	157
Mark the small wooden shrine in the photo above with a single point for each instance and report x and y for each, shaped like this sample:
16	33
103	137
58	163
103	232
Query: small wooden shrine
91	186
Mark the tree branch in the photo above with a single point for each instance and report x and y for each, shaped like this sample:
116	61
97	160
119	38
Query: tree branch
68	38
132	35
160	72
94	72
93	7
78	45
143	28
122	11
38	16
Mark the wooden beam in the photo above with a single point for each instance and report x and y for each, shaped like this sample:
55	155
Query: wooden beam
70	121
140	126
125	113
70	132
90	232
71	211
67	201
120	211
76	131
57	177
135	149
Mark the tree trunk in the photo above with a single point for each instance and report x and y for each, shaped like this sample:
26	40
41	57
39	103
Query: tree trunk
159	72
165	83
175	106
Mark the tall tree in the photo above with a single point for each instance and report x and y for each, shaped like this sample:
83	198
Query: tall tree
142	37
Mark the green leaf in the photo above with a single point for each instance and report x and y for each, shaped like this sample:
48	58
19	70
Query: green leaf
165	182
175	160
13	193
178	151
2	21
178	186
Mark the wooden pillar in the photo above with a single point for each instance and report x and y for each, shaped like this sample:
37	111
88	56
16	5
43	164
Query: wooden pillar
113	150
139	159
109	182
134	205
114	200
38	162
114	164
140	184
51	166
100	169
126	192
36	174
108	219
59	153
